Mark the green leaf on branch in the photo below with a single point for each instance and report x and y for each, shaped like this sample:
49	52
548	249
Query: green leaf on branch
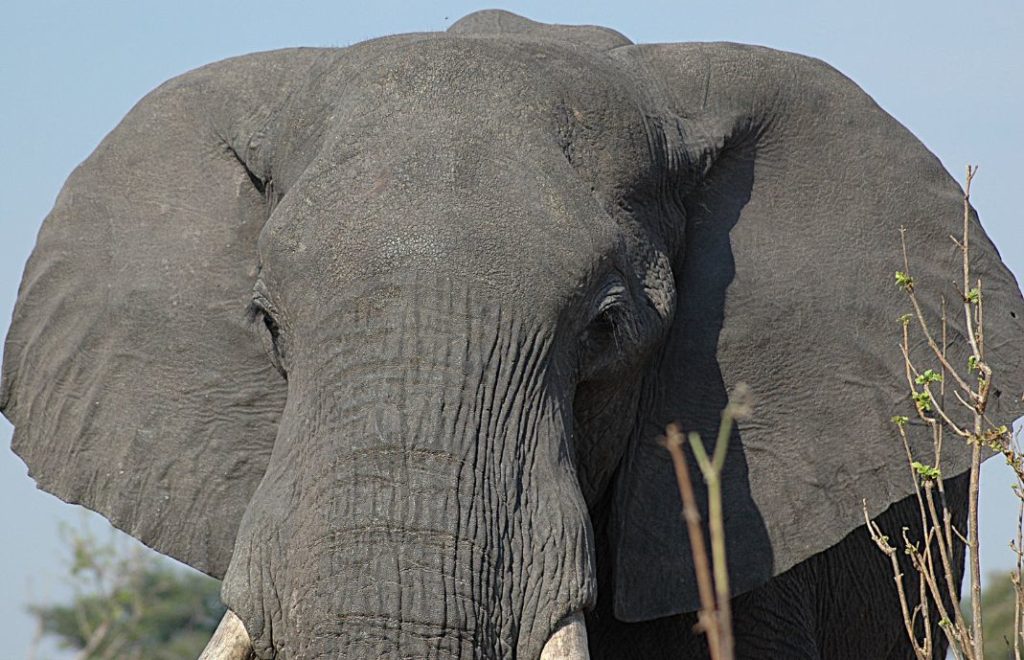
904	281
928	376
905	319
900	420
993	438
926	471
973	363
973	296
923	401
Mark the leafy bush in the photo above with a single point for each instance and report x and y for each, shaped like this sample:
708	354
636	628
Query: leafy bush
128	603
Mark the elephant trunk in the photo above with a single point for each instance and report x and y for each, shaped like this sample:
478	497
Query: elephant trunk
419	505
421	550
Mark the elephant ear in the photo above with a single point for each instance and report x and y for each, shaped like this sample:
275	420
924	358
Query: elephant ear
798	187
134	383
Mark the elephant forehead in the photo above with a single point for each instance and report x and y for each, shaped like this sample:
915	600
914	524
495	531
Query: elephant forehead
474	98
480	159
520	227
462	74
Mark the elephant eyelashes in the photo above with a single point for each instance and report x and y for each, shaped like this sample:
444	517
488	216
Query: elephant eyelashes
607	337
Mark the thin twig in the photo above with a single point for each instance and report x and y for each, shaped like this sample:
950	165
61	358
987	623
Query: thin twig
952	588
981	399
707	621
712	471
94	640
715	617
1018	550
919	314
882	541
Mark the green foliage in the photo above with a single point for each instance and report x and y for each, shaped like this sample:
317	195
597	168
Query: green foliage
130	605
900	420
923	401
994	438
904	281
973	296
928	376
926	471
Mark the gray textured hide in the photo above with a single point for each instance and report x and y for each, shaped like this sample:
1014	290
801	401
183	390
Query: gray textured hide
609	236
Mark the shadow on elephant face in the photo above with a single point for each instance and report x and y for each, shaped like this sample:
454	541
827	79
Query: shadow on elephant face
484	269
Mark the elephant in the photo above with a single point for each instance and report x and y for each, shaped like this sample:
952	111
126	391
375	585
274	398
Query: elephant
385	337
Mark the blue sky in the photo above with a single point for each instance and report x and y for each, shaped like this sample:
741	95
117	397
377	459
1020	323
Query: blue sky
69	71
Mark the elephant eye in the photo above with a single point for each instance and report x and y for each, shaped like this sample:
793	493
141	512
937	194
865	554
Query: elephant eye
603	324
606	339
607	324
610	312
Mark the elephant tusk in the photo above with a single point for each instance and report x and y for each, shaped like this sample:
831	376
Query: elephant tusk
569	641
229	642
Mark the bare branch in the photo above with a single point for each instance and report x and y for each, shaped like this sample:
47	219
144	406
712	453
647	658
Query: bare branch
707	620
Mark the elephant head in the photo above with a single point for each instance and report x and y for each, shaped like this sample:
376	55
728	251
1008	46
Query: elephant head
384	336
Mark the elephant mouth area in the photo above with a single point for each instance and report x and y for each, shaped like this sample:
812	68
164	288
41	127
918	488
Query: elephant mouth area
385	636
409	610
567	641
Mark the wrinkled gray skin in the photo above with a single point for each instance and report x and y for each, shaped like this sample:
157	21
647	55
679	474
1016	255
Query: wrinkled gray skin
483	270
